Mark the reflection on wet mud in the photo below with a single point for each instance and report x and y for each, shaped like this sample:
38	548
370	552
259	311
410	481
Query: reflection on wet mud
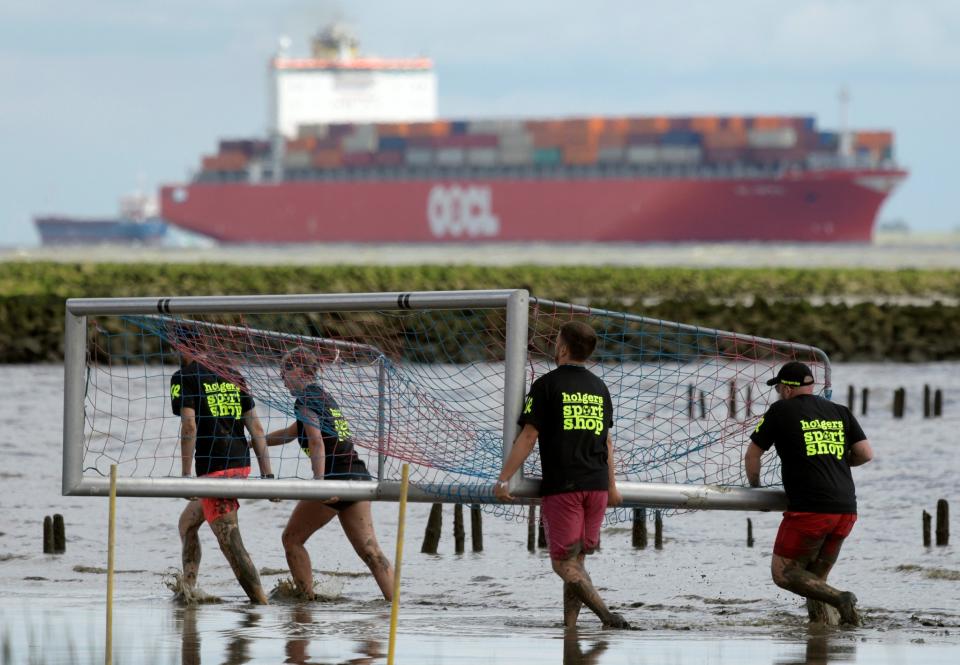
237	642
298	642
573	649
185	618
823	646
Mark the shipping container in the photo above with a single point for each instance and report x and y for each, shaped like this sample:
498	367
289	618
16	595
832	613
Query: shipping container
392	129
388	158
610	155
546	156
705	124
398	143
680	154
779	138
357	159
643	139
516	155
724	139
877	140
643	154
360	142
327	159
458	127
319	131
579	154
681	137
481	156
297	159
648	125
449	156
495	127
419	157
303	144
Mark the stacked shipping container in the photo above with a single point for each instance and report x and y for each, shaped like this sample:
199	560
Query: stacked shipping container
767	141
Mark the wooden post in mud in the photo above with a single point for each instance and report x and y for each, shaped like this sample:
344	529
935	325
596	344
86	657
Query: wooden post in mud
899	402
703	405
640	528
749	532
733	400
48	535
657	530
59	535
476	528
458	534
926	400
864	396
937	403
431	536
532	528
748	405
690	403
943	522
851	395
926	528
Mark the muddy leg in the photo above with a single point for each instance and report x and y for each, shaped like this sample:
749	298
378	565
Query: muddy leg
227	531
306	519
794	576
575	578
571	601
190	520
357	523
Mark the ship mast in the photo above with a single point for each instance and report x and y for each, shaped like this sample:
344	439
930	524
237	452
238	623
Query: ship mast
846	138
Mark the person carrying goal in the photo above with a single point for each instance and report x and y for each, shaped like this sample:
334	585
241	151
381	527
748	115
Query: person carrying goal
324	435
817	442
214	411
570	412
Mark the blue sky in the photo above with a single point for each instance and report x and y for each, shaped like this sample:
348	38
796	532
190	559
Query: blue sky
102	96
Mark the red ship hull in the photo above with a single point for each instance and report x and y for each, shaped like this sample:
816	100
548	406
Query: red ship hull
810	206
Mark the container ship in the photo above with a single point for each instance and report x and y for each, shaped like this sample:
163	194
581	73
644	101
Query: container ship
356	153
136	224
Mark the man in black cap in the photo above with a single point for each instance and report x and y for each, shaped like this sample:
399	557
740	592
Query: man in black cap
817	441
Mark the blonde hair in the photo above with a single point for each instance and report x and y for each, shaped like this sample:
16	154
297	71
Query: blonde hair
303	358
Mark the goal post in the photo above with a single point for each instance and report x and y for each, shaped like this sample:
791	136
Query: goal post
436	379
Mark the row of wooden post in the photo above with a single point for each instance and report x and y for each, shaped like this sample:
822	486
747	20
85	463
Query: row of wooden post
431	537
693	400
932	401
536	538
54	535
943	524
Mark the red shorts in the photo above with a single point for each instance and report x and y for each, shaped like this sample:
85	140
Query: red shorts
571	522
214	509
809	536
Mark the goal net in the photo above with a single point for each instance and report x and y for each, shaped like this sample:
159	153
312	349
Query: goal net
425	386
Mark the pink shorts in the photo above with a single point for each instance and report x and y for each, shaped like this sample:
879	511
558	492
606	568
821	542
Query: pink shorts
571	522
809	536
214	509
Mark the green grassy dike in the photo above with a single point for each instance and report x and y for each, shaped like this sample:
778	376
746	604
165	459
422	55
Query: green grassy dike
875	315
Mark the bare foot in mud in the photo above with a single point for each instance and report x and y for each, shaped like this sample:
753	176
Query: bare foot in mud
822	613
188	595
848	610
616	622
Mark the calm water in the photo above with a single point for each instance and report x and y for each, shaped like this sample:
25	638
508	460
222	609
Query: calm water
704	598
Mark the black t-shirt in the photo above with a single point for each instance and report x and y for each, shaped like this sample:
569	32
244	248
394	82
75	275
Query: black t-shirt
341	461
573	413
218	405
813	438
